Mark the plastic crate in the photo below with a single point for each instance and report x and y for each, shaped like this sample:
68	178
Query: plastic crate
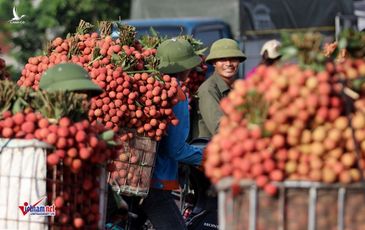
299	205
23	173
134	167
89	204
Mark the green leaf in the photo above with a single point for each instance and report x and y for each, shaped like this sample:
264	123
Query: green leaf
17	106
201	51
342	43
107	135
139	104
58	113
116	59
289	51
266	133
357	84
112	143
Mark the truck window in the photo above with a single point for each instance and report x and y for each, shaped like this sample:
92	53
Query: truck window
169	31
208	35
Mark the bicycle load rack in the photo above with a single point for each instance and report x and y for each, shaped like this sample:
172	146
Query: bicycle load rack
242	210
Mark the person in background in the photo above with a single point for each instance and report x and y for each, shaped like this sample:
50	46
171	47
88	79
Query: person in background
269	55
177	58
225	55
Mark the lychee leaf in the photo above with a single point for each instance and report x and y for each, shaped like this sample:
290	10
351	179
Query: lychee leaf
107	135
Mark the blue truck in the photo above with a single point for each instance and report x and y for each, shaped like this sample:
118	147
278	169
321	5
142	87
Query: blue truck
207	30
250	22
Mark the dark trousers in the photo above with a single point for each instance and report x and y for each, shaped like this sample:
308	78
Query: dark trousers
160	208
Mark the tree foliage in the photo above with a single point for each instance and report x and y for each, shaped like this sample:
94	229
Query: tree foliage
46	20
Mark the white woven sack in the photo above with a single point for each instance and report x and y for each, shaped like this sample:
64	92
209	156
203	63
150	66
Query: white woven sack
23	172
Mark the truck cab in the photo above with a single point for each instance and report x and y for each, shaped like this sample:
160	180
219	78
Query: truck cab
207	30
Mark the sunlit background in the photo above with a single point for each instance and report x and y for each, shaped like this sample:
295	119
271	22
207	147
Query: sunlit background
251	21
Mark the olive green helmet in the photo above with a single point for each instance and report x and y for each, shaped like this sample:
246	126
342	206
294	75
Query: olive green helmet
176	55
68	77
225	48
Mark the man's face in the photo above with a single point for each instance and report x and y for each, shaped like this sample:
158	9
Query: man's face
227	68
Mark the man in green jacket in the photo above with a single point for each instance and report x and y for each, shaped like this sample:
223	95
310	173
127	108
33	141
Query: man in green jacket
225	55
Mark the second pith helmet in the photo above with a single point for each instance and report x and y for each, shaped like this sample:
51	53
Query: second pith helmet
225	48
176	55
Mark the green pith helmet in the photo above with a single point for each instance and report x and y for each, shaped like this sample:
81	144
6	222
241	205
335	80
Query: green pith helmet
176	55
225	48
68	77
